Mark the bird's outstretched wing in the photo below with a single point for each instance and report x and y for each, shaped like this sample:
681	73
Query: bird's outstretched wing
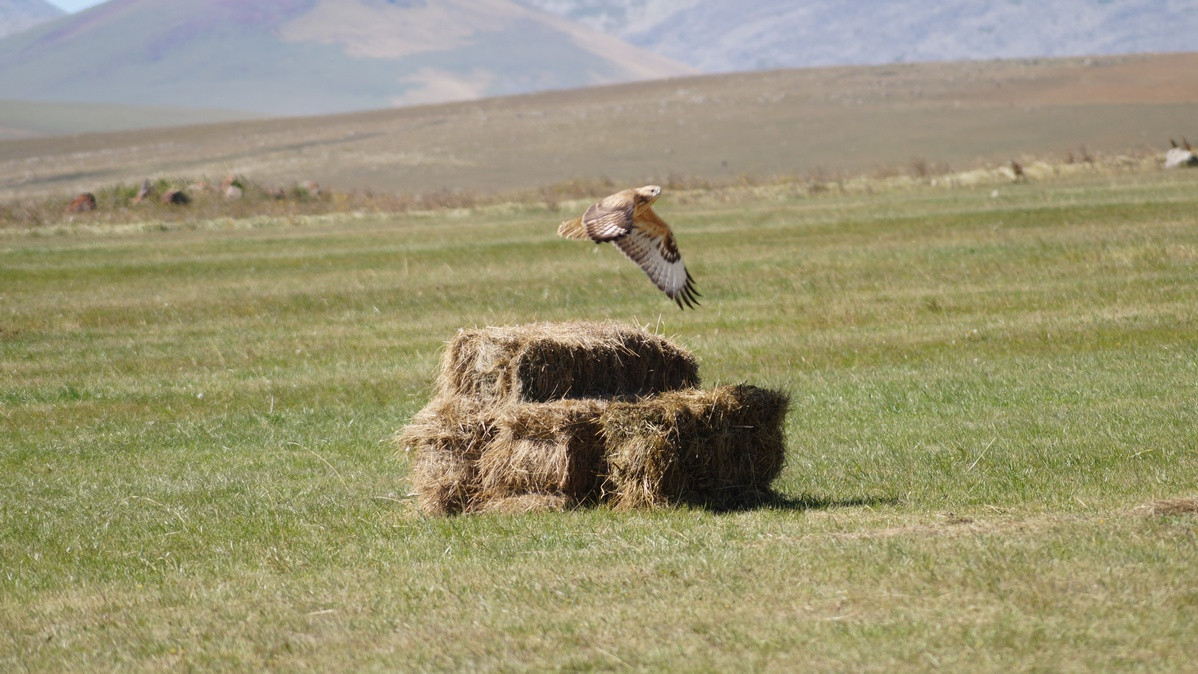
650	243
603	221
611	218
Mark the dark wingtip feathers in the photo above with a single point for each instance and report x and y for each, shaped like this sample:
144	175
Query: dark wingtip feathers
688	294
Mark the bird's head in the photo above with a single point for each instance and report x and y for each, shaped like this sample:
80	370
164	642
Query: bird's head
649	193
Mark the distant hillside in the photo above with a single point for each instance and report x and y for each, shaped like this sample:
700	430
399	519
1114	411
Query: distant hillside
296	57
817	123
19	15
726	35
30	119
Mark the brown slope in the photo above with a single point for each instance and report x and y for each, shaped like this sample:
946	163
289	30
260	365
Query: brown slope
781	122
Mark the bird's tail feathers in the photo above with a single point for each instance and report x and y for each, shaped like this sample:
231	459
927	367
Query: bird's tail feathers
573	229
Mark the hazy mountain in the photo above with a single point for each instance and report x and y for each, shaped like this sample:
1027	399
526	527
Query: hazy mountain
312	56
725	35
19	15
617	17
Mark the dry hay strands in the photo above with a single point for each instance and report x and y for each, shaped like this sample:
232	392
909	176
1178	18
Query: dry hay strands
522	504
446	439
1172	507
545	448
719	448
468	459
549	361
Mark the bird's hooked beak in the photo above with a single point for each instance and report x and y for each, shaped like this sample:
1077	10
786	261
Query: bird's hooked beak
650	192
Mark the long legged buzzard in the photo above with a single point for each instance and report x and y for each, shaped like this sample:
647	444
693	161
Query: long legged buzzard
626	220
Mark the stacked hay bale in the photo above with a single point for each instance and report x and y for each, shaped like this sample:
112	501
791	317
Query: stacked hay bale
722	447
555	416
554	361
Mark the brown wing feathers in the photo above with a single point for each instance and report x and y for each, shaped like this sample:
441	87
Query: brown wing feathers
573	229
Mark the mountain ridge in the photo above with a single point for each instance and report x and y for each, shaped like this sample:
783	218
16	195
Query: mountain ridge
20	15
298	57
728	35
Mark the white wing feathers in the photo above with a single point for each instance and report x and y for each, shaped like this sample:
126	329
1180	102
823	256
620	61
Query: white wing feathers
661	262
606	224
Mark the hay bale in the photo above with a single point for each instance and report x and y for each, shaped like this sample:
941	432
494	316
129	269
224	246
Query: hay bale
443	481
466	457
554	416
719	448
545	448
445	440
552	361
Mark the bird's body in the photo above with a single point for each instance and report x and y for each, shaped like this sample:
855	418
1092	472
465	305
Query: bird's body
626	219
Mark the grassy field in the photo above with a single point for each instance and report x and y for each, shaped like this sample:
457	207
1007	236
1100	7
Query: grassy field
991	386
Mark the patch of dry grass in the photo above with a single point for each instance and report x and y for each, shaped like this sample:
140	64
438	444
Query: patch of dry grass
1170	507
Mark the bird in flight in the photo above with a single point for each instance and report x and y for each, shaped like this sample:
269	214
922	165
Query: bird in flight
627	220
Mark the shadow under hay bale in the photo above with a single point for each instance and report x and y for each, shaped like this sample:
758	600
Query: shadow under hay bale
551	361
719	448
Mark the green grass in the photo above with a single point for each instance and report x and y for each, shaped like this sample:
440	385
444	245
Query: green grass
197	468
